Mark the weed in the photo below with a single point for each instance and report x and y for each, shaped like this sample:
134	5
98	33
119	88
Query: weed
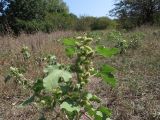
58	89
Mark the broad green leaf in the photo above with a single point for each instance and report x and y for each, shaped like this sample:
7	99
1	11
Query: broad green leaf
106	74
90	110
70	51
28	101
50	68
51	81
48	99
107	69
93	98
89	96
109	79
105	111
108	119
69	107
107	52
38	86
69	42
98	115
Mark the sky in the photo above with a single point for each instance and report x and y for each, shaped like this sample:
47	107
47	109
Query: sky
95	8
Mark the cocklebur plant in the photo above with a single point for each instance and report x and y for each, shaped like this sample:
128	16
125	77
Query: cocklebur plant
84	69
120	40
58	88
135	40
17	73
25	53
122	45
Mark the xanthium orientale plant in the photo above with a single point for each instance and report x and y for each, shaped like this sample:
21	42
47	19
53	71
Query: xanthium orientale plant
58	88
120	40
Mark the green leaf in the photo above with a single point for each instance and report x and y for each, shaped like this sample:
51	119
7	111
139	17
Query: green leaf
105	111
109	79
69	107
89	96
107	69
69	42
28	101
98	115
38	86
95	99
107	52
51	81
70	51
50	68
90	110
48	100
106	74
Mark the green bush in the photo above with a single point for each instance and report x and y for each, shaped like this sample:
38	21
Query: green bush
28	26
51	22
157	19
134	40
84	23
92	23
101	23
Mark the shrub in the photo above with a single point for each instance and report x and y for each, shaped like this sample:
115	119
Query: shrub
51	22
157	19
84	23
119	39
92	23
27	26
101	23
135	40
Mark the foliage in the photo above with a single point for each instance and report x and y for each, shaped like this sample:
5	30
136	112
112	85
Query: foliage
25	52
94	23
84	23
135	40
102	23
58	88
33	15
120	40
26	10
30	16
57	6
132	13
131	41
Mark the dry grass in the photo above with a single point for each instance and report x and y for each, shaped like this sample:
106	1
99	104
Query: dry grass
39	44
136	96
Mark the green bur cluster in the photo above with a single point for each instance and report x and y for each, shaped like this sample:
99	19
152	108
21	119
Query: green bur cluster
25	52
84	59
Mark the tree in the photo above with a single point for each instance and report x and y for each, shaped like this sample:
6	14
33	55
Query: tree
136	12
57	6
26	9
35	15
101	23
23	11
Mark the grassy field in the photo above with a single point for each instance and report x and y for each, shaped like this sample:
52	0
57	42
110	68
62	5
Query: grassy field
136	96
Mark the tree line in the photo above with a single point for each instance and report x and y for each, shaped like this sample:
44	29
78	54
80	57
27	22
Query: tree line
44	15
133	13
30	16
